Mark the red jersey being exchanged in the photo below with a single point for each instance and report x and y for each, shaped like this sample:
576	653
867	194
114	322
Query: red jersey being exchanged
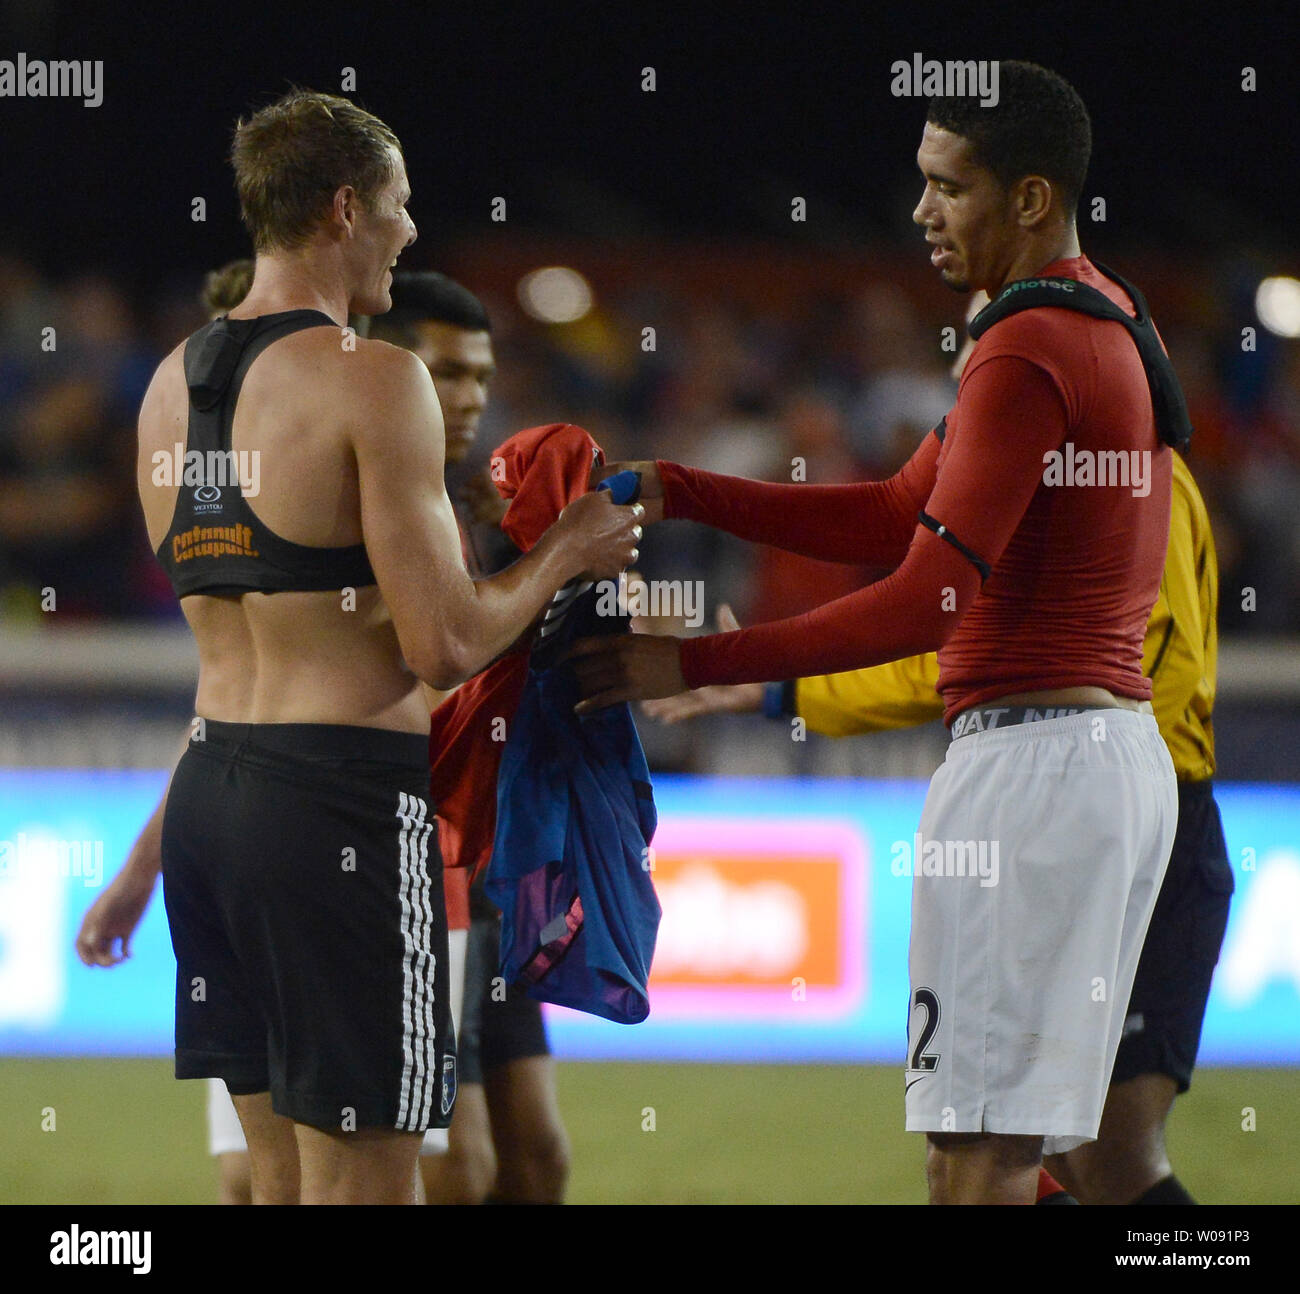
541	471
1048	471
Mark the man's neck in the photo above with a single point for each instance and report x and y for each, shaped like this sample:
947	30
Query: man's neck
1035	257
295	281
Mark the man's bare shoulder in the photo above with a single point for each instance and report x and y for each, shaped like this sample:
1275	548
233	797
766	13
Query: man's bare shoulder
388	363
172	364
353	365
166	393
392	385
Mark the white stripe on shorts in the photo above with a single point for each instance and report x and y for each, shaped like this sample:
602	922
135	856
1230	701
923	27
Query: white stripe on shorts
425	969
417	978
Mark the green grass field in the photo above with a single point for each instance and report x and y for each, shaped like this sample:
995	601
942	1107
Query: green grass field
125	1132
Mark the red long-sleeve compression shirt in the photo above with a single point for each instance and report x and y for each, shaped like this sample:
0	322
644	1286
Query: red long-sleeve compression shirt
1029	540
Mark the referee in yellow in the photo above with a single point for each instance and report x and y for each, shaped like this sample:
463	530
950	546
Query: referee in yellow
1128	1163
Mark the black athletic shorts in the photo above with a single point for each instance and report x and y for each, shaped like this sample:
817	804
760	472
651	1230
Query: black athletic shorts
1163	1027
497	1024
304	892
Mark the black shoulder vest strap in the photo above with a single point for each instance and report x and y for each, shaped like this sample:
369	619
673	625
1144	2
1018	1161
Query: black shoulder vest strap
218	357
1167	399
216	542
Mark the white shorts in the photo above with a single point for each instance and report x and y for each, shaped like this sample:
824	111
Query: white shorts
226	1133
1045	844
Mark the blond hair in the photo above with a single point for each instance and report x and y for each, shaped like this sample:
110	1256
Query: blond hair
292	156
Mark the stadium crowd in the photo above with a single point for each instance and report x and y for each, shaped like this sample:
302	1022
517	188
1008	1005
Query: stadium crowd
840	388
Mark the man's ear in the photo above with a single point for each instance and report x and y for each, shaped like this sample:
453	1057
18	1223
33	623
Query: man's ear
1034	200
344	209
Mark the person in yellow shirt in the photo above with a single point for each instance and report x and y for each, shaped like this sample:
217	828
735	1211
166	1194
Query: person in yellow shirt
1128	1162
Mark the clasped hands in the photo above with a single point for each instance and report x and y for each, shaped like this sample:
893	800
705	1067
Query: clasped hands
635	666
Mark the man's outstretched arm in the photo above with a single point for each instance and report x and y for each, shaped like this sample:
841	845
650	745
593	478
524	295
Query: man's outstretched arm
869	523
992	472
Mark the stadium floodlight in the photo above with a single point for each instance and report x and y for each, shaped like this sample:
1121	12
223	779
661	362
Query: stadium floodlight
555	294
1277	303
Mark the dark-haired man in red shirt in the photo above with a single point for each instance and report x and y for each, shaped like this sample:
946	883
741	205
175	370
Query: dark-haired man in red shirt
1028	535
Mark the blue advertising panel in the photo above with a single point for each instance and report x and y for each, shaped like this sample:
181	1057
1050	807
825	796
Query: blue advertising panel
784	937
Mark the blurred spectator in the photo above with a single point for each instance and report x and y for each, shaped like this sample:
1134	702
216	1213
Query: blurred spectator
785	584
69	522
905	384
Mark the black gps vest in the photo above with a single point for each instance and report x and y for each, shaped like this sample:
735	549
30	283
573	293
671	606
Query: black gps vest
1167	400
216	544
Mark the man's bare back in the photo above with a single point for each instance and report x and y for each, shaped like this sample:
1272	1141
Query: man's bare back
291	657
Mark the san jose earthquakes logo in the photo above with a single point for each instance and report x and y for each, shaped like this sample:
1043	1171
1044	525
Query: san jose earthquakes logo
207	498
448	1084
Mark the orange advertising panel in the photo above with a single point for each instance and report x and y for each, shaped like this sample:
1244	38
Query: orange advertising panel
738	918
763	915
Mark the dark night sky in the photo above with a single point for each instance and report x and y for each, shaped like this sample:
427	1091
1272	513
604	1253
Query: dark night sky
542	103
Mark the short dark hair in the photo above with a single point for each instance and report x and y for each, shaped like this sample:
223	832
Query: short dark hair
422	295
1039	126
